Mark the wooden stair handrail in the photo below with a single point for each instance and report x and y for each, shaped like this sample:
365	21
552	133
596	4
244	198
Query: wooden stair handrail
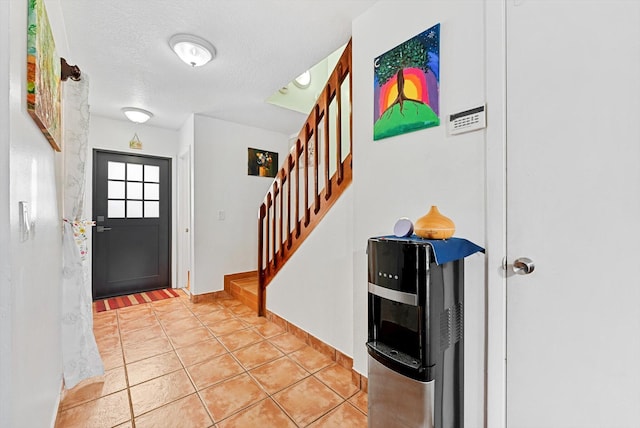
279	239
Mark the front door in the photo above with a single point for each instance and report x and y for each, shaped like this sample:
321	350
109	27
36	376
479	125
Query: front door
573	208
132	210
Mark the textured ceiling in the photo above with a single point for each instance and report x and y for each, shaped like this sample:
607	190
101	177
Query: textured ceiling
261	46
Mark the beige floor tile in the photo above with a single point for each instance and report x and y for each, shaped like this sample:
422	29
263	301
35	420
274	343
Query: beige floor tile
227	303
279	374
90	389
311	359
228	397
200	352
344	416
167	305
141	335
141	310
287	342
160	391
269	329
214	371
138	323
181	374
175	315
241	309
258	354
150	368
146	349
183	324
213	318
112	358
361	401
227	326
338	378
240	339
189	337
265	413
107	343
252	319
307	400
185	412
105	319
104	412
202	309
106	331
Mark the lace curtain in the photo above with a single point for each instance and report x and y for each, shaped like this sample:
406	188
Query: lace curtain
80	355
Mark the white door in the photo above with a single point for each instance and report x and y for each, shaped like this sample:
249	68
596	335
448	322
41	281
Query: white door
184	219
573	208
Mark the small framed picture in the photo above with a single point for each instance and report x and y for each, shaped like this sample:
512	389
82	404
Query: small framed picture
262	163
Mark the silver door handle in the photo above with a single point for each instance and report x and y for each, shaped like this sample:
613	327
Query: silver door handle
523	266
101	229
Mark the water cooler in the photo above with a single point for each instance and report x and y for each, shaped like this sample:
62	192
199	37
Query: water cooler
416	334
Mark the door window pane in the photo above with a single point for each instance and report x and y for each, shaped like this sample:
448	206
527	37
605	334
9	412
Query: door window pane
134	190
152	209
151	191
152	173
115	190
115	209
134	209
134	172
115	170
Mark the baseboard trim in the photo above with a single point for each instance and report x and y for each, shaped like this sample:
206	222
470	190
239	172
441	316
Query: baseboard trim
341	359
208	297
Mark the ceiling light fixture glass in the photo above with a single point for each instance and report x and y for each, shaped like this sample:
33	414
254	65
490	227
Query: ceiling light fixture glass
137	115
303	81
191	49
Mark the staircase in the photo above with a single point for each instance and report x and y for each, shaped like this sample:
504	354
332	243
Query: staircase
244	287
312	178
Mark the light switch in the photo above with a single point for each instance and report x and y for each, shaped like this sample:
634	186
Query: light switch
221	215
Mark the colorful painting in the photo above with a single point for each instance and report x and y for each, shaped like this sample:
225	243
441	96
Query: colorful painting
43	75
262	163
406	86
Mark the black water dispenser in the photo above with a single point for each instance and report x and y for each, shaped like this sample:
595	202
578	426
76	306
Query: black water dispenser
416	336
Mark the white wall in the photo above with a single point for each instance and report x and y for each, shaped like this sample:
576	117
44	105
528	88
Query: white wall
405	175
220	184
5	244
314	289
30	297
111	134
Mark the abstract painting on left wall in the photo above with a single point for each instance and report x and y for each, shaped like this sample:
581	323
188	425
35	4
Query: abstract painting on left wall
43	75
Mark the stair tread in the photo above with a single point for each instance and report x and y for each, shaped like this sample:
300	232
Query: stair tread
244	282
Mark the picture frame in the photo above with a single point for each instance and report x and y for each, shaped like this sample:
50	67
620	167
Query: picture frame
262	163
43	75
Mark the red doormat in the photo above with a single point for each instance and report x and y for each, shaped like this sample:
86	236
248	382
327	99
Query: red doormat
133	299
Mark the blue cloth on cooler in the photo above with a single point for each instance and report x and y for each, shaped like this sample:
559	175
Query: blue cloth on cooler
444	250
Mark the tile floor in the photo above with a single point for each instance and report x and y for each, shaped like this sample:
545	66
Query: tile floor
172	363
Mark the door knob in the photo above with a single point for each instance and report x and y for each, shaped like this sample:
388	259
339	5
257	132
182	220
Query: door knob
523	266
101	229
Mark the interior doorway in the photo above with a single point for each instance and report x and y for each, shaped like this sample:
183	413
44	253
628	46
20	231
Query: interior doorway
132	211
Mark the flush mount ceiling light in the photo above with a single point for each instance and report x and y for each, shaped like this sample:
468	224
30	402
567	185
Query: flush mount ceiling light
137	115
303	81
192	50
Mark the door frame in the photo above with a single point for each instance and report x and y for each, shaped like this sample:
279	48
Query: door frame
185	217
496	214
